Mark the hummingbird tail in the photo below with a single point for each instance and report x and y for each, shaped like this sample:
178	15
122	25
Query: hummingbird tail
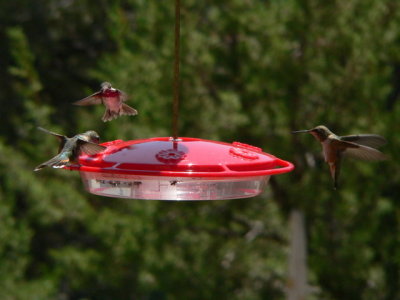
125	110
108	115
335	184
58	161
335	171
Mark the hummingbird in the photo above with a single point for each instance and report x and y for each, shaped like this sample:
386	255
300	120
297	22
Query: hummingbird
360	146
70	148
113	101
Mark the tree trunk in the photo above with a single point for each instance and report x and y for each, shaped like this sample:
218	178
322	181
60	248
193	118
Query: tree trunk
297	281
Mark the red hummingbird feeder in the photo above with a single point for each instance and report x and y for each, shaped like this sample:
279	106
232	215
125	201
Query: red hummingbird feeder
172	168
183	169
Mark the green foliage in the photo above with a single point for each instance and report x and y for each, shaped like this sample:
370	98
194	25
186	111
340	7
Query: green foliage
252	71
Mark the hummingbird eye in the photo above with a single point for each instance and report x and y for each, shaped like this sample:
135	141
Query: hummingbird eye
95	138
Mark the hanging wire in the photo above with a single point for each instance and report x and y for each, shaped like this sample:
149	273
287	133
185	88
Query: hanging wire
176	71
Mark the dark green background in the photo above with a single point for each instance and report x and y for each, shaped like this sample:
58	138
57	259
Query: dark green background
252	71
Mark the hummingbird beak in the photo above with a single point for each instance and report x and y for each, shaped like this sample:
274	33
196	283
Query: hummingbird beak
301	131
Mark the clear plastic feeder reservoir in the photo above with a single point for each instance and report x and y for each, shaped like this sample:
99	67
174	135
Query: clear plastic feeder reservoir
182	169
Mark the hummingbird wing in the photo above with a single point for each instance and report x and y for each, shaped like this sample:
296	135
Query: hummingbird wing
62	138
359	151
123	95
127	110
90	100
89	147
365	153
370	140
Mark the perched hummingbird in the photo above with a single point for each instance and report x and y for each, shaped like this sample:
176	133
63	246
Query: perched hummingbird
361	146
112	99
71	148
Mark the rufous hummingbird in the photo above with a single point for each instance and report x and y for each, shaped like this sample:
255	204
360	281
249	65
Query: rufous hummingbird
360	146
70	148
113	99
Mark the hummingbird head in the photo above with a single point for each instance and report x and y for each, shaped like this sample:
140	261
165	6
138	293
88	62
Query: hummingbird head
320	132
91	136
105	86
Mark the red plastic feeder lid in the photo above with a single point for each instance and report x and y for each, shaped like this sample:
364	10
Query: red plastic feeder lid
182	169
184	157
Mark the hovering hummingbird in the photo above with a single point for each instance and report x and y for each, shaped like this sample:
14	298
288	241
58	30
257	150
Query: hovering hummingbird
71	148
361	146
112	99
